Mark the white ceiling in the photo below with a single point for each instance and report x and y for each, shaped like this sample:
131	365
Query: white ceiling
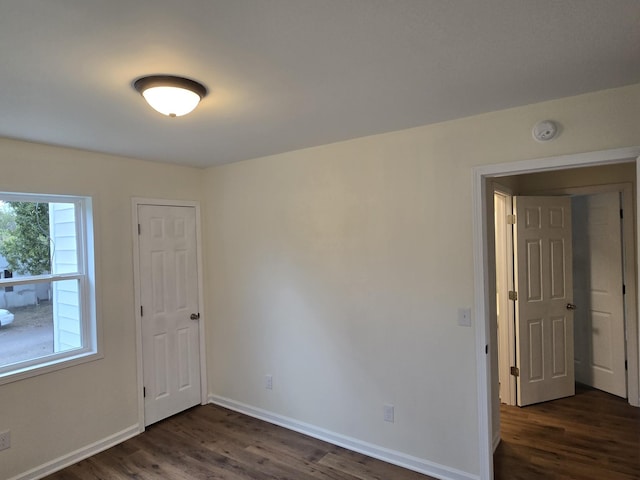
288	74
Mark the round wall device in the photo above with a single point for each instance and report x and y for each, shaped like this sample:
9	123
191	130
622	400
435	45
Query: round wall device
545	130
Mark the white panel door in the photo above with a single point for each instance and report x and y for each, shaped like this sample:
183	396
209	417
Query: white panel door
599	322
544	318
503	205
169	297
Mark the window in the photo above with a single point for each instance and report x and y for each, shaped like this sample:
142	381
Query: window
47	284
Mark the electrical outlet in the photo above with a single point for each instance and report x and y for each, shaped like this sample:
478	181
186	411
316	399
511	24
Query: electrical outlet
388	413
268	382
5	439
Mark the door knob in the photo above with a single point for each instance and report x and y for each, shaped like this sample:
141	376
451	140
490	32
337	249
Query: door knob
196	316
571	306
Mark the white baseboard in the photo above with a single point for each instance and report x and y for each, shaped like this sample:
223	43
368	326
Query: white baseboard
390	456
80	454
496	441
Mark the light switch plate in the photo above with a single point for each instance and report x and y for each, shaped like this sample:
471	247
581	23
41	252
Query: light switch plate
388	413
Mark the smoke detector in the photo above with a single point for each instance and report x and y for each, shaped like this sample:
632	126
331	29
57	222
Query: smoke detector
545	131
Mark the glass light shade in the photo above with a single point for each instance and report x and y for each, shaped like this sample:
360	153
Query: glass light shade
170	95
171	101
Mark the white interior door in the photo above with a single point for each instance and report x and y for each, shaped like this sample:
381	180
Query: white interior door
169	299
544	318
503	205
599	320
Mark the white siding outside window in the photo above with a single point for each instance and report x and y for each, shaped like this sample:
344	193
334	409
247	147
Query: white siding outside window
67	326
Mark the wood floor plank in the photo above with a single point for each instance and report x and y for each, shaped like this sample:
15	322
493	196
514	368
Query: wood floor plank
210	442
590	436
587	437
311	470
346	465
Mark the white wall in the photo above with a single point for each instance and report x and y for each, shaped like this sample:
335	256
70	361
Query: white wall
339	270
53	415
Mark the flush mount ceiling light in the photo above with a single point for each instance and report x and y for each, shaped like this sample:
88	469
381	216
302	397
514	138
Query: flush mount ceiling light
172	96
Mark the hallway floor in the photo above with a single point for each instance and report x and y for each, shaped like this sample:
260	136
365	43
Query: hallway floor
592	435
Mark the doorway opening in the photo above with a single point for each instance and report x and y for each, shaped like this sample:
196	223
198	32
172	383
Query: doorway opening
485	280
603	258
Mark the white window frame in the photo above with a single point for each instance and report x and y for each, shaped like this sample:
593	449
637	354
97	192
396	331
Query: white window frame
85	276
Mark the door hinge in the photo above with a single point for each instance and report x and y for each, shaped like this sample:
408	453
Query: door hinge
624	289
141	311
139	229
511	219
626	367
486	349
513	295
144	392
621	213
515	371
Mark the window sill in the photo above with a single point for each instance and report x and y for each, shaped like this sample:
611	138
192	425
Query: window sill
50	366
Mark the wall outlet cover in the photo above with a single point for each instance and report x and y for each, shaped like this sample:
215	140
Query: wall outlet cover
5	439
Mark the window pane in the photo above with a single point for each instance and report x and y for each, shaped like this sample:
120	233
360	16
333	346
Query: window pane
24	239
38	320
29	334
37	238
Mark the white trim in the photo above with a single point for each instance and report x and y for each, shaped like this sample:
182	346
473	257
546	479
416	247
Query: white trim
42	197
137	302
481	290
135	202
496	440
48	278
480	261
381	453
563	162
78	455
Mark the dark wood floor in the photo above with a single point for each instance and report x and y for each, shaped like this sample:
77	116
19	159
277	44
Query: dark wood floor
590	436
210	442
587	437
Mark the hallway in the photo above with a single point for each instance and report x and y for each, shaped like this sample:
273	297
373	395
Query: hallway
592	435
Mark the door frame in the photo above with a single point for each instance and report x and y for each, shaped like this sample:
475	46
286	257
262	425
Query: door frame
484	291
135	203
508	357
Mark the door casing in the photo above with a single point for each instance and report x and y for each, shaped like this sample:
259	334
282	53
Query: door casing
483	277
135	202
